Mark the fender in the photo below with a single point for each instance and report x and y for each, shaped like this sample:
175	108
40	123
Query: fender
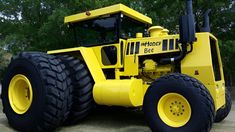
88	56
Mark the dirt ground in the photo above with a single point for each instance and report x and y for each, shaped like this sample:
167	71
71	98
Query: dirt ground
120	120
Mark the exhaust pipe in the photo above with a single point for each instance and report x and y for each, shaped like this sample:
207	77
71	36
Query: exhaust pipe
187	34
206	22
189	7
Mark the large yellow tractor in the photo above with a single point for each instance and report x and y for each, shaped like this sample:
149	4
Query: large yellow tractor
121	60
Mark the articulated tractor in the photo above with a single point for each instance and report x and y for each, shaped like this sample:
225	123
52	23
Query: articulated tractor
121	60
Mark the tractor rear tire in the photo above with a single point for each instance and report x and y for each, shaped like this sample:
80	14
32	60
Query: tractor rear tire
178	103
35	92
83	83
223	112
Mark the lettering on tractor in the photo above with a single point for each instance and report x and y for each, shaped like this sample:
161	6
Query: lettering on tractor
177	79
148	50
147	44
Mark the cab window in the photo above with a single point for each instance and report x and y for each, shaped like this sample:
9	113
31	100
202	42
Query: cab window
129	27
98	31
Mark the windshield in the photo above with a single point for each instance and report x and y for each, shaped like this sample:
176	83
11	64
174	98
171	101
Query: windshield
97	31
107	29
129	27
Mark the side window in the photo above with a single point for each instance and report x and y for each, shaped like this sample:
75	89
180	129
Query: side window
129	27
109	55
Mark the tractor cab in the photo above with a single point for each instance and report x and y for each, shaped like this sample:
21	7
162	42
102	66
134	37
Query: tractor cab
107	25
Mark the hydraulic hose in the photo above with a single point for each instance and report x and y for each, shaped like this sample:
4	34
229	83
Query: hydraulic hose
175	59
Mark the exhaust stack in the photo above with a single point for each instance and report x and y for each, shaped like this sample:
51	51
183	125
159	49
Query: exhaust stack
187	25
206	22
187	33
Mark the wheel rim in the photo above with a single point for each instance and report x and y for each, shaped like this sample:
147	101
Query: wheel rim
174	110
20	94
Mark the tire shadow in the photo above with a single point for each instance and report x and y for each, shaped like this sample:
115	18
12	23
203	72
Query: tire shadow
115	119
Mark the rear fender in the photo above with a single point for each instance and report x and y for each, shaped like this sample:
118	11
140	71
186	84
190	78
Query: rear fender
89	57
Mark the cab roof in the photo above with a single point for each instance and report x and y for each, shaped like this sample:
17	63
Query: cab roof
106	11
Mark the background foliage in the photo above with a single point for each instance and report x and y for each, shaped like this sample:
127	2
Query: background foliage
38	24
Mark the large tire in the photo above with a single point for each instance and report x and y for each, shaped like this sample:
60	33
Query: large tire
82	81
47	86
178	103
223	112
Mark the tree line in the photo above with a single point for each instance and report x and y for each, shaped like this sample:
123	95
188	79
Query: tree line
37	25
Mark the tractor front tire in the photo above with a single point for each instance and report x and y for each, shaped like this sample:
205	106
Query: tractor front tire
223	112
82	83
178	103
35	92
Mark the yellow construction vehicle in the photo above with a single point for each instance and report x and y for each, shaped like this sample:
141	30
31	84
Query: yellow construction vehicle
121	60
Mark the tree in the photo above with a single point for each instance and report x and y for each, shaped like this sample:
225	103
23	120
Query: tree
4	60
38	25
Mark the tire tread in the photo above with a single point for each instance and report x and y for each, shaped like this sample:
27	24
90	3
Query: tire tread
82	89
